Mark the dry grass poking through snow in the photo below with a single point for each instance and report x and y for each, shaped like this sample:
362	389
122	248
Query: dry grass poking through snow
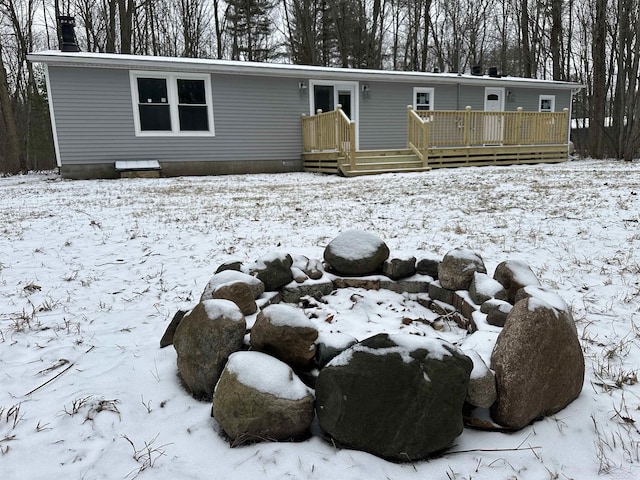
91	272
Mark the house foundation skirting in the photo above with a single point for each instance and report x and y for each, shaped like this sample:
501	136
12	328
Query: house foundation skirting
177	169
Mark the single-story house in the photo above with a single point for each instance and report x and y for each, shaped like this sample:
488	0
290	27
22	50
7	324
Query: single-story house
189	116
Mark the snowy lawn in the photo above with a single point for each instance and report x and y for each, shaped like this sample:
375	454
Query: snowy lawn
91	272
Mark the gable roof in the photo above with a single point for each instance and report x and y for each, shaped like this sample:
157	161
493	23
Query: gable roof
147	62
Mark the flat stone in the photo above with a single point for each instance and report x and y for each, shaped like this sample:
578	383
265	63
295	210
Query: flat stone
437	292
293	292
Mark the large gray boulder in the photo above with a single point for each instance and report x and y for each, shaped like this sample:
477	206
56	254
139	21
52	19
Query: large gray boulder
538	363
285	332
356	252
204	339
456	270
397	396
232	276
513	275
239	293
550	298
260	398
273	269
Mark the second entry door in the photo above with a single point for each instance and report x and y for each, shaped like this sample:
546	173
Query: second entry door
494	122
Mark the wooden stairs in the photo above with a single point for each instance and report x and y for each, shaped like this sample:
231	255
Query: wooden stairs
368	162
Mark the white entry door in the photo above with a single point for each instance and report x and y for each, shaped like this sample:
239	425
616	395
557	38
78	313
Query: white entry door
494	122
325	95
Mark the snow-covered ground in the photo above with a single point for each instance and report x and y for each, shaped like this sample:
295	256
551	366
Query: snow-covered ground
91	272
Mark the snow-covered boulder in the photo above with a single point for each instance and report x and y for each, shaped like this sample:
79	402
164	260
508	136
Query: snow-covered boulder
428	265
456	270
397	396
204	339
273	269
397	267
550	298
497	311
305	268
356	252
229	276
538	363
513	275
330	345
482	382
239	293
258	397
483	288
285	332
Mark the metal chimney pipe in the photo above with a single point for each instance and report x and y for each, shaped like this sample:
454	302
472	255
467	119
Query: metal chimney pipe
66	27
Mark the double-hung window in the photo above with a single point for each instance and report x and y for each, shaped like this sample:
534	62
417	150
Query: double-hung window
171	104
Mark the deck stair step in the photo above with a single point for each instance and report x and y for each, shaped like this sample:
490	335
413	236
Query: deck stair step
386	161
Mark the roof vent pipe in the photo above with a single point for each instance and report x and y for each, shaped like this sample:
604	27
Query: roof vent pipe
476	70
66	29
493	72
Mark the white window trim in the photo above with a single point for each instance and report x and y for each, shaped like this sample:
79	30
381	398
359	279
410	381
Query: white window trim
547	97
429	90
172	94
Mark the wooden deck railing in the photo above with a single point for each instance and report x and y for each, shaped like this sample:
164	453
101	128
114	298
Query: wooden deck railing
418	135
330	131
472	128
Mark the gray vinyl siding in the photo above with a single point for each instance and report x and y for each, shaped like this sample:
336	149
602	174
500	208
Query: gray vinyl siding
528	99
255	118
383	114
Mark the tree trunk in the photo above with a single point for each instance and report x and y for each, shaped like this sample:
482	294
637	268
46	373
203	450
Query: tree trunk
13	163
598	98
527	58
555	43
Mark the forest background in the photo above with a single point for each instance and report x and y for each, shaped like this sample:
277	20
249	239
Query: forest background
595	43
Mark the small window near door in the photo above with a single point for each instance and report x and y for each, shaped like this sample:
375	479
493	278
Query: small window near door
547	103
422	98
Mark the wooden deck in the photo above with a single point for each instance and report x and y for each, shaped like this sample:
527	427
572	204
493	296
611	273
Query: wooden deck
463	139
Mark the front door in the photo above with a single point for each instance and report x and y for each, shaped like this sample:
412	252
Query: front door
494	122
325	95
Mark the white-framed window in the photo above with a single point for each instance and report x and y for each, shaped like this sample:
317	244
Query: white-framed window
171	103
547	103
422	98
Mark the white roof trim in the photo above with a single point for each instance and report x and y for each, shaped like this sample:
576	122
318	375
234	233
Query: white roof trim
120	61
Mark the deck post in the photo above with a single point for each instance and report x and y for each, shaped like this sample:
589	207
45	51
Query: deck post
467	126
305	134
409	107
425	145
519	127
352	145
567	127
